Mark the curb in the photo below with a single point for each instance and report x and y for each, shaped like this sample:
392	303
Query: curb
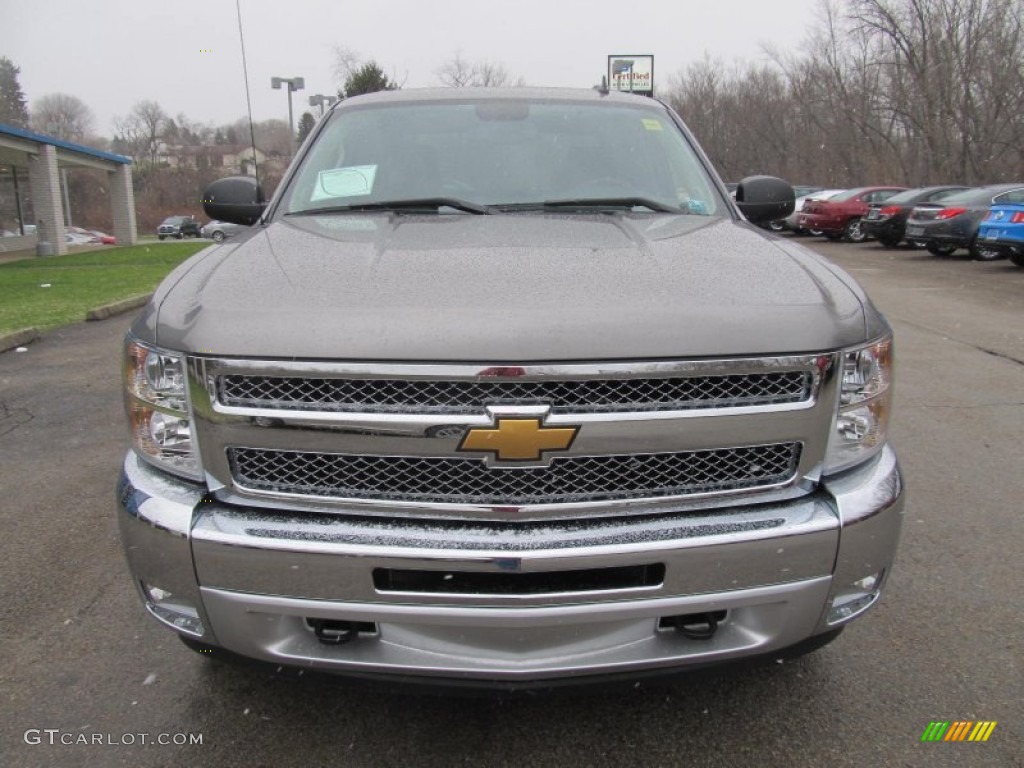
118	307
18	338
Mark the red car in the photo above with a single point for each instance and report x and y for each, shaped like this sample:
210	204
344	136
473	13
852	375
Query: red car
103	237
840	216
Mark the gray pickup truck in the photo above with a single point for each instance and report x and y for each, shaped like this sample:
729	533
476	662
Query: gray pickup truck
503	388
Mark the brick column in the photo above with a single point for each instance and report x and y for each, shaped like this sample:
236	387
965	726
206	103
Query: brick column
122	205
44	183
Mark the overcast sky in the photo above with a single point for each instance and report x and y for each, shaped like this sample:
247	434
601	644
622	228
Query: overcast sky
185	54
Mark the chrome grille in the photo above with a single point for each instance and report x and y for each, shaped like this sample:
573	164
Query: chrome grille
570	479
469	396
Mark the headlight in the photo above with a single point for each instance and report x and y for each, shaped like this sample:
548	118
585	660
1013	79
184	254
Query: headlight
157	410
865	399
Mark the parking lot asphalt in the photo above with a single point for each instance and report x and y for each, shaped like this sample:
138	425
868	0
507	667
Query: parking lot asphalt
81	657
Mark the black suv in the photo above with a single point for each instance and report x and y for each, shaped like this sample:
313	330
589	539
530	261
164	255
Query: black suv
179	227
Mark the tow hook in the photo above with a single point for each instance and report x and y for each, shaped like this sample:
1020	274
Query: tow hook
698	626
331	632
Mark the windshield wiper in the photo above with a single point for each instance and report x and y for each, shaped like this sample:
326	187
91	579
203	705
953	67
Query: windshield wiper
433	203
597	202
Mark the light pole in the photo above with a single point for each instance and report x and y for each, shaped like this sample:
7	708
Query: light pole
294	84
319	100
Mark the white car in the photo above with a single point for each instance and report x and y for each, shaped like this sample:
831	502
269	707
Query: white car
75	238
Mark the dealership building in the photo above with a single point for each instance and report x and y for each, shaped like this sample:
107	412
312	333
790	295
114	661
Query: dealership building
33	200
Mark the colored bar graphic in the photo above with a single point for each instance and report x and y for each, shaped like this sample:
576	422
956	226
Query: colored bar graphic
982	731
958	730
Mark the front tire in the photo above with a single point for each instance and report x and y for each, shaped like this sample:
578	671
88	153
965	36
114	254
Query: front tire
1017	257
218	236
161	237
854	232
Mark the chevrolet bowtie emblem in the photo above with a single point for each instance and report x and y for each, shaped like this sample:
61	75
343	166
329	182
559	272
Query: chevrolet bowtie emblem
518	439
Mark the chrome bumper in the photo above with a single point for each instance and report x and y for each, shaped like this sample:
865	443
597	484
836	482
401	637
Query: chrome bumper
254	579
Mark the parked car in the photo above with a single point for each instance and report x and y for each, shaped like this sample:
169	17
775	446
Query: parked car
791	221
840	216
75	238
179	227
947	226
218	231
801	191
1003	227
103	237
887	222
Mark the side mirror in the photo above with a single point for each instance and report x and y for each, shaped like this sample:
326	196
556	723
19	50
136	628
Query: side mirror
237	199
765	198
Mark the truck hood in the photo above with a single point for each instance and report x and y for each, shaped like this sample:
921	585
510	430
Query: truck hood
517	287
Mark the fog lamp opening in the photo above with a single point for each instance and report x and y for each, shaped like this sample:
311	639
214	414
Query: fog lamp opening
855	598
173	611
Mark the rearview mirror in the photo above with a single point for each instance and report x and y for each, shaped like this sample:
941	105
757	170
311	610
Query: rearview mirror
765	198
236	199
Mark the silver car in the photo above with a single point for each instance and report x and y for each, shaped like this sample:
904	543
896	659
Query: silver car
219	231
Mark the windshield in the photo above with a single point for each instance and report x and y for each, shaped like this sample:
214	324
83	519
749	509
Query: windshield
493	155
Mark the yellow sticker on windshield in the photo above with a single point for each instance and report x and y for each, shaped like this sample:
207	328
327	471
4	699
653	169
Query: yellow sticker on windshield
652	125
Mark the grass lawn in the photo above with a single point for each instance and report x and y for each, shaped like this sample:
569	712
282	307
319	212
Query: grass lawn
79	282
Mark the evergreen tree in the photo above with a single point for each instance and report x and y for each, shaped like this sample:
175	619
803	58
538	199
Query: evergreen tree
367	79
12	101
306	123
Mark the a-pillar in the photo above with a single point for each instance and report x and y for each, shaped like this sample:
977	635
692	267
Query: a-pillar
46	203
122	205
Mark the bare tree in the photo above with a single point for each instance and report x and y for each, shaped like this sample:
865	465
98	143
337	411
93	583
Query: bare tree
346	62
62	115
955	80
493	75
459	72
192	132
272	136
142	131
909	91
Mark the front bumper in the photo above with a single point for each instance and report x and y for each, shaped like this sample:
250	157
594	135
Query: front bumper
255	581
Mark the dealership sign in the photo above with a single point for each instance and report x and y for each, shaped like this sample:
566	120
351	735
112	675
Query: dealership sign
634	74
